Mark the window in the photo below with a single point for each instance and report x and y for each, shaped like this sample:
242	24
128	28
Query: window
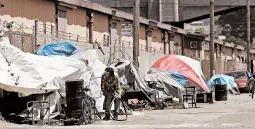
237	75
62	14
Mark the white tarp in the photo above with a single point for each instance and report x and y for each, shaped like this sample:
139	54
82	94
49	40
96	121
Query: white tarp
97	68
28	74
167	82
164	77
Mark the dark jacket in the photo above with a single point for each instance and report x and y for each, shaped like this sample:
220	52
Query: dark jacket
109	84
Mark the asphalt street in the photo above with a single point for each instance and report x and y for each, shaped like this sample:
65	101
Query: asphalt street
236	113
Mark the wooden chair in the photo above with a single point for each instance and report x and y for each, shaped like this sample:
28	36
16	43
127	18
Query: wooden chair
190	95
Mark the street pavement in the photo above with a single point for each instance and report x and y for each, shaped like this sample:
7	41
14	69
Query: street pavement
236	113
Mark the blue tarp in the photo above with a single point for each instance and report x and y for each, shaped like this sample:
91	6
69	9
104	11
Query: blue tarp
179	78
224	80
58	48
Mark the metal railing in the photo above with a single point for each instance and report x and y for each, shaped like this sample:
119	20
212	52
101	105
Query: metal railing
30	38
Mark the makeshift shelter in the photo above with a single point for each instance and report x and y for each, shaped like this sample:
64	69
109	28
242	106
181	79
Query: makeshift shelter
166	81
28	74
57	48
220	79
129	75
189	68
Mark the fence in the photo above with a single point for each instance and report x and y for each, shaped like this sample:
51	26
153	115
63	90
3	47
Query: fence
26	42
30	38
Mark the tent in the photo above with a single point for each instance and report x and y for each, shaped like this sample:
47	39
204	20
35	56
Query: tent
189	68
220	79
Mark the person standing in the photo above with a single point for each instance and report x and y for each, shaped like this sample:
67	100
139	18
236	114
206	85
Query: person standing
110	89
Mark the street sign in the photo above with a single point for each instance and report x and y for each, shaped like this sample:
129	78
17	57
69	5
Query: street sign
242	54
193	44
205	46
126	29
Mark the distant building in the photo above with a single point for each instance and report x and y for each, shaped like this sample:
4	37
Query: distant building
198	28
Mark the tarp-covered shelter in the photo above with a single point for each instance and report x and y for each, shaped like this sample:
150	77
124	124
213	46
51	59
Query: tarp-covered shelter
166	81
220	79
28	74
189	68
129	75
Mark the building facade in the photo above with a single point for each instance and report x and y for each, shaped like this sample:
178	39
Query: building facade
83	19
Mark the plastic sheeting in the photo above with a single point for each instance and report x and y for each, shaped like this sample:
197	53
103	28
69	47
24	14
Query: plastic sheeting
224	80
97	68
129	72
175	75
186	66
31	74
219	79
58	48
179	78
166	81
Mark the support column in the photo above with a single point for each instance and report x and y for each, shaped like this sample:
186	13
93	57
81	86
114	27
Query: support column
148	39
113	38
150	3
91	29
223	54
165	40
171	36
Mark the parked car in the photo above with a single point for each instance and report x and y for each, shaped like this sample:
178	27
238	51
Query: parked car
241	79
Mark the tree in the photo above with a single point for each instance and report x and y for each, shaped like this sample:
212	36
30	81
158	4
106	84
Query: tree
237	21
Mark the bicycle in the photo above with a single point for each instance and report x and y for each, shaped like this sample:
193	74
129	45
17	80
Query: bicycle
122	110
89	110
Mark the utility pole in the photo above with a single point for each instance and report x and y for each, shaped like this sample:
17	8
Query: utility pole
212	68
136	24
248	34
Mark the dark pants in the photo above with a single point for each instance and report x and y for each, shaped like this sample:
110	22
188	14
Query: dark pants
107	102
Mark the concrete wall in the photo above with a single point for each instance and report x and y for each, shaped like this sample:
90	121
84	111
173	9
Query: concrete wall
101	26
76	20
